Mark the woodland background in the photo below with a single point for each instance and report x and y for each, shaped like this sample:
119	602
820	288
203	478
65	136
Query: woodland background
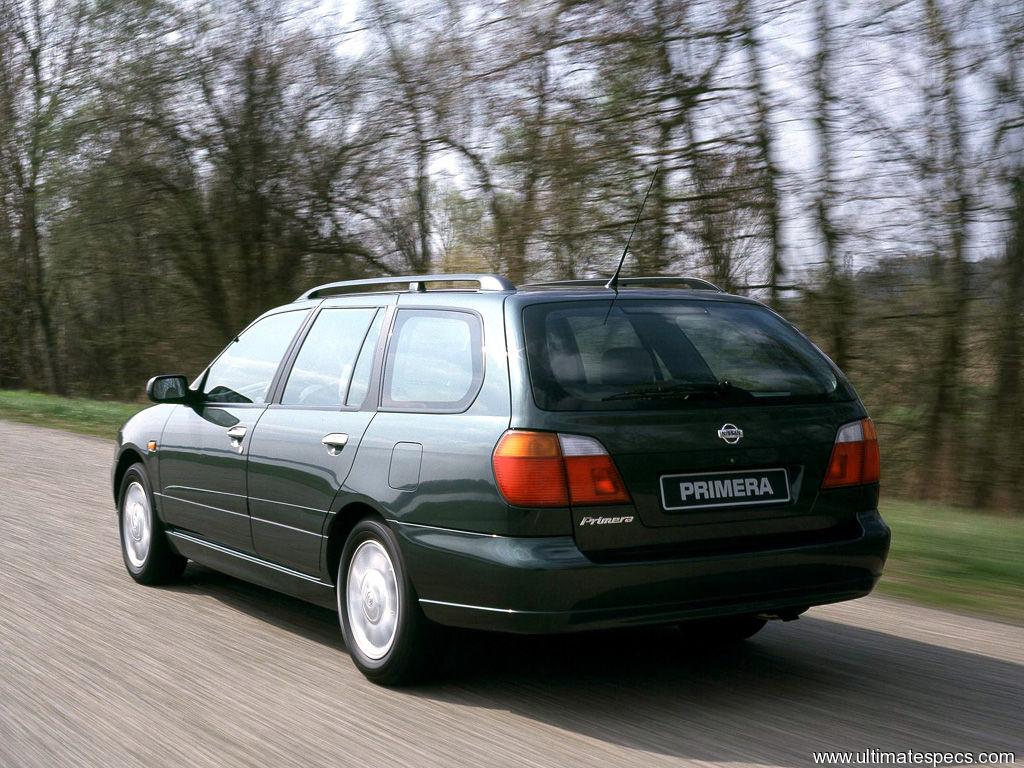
169	170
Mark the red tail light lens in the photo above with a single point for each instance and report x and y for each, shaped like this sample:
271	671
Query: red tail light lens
593	477
542	469
855	458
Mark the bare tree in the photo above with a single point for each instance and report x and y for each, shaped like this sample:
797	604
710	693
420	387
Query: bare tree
1004	416
836	289
42	62
948	109
764	136
411	103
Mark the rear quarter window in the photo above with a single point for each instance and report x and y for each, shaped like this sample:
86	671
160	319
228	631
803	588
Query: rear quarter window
434	361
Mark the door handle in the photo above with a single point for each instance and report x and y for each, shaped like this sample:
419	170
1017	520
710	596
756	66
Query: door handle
335	442
236	433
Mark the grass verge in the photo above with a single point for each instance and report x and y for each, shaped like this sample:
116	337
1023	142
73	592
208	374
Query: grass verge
942	556
956	558
90	417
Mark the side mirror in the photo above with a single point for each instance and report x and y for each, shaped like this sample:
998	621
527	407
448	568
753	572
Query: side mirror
168	389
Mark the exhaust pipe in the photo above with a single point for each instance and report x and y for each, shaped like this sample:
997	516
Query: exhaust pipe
785	614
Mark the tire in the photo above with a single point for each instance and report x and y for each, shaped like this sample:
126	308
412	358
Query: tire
723	631
373	585
144	548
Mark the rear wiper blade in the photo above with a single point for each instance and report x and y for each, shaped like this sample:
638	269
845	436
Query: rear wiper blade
681	388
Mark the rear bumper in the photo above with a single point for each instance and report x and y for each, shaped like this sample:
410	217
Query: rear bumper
545	584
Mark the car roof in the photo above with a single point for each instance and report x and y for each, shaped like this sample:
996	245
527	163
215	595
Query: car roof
539	294
448	286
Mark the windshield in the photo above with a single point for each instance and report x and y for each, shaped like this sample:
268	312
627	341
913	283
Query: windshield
649	354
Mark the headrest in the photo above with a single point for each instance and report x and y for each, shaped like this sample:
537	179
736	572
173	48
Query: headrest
627	365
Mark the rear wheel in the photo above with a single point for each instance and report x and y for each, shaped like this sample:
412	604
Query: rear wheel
721	631
144	548
388	637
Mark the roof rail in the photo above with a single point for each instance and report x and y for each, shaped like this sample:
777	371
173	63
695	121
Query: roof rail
693	283
416	283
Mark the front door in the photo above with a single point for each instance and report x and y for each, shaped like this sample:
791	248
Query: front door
304	445
203	449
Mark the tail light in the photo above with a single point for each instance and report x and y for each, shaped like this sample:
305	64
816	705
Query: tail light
591	473
855	459
528	468
542	469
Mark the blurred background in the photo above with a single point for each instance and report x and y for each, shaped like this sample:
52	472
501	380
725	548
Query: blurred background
169	170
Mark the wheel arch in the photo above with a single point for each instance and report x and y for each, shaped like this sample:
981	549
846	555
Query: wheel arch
338	529
129	455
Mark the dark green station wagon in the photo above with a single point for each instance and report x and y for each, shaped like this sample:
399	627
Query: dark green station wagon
453	450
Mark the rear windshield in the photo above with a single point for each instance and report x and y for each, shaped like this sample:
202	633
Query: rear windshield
651	354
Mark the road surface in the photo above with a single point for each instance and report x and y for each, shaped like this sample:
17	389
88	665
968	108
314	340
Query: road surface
98	671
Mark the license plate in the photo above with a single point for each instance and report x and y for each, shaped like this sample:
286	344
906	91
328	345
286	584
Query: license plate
743	488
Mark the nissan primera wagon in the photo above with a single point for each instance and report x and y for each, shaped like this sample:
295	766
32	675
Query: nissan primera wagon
532	459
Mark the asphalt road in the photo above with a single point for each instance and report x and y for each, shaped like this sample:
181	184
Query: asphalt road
98	671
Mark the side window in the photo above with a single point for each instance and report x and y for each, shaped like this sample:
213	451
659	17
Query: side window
244	371
364	365
435	361
323	368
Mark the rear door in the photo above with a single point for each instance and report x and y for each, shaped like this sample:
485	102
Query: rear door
305	443
719	416
444	404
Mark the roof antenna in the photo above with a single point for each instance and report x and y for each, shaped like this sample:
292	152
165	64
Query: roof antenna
613	283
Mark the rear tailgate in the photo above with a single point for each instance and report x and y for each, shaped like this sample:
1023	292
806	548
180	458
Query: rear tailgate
718	414
657	453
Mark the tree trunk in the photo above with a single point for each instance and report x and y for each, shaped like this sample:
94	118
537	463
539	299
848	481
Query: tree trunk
31	248
518	258
836	293
420	261
941	449
422	197
657	261
706	201
765	146
1006	416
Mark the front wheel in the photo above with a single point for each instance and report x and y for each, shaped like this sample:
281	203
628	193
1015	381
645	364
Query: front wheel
144	548
388	637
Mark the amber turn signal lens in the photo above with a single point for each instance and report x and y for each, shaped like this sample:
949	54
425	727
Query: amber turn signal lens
528	469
